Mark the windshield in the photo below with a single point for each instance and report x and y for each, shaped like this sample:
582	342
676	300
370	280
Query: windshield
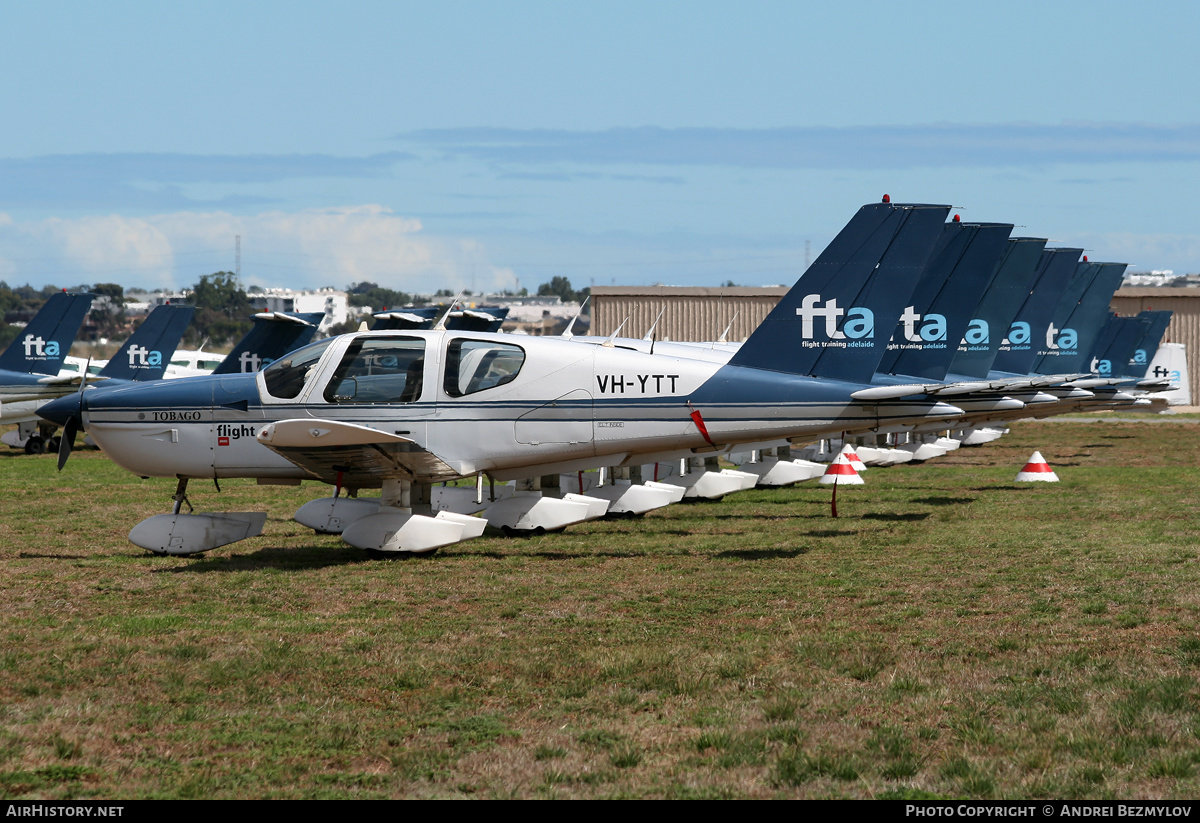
287	375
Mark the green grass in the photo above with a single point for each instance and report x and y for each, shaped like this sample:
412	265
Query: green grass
952	634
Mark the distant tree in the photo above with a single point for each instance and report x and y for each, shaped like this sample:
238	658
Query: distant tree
560	286
376	296
222	309
9	302
29	296
108	311
347	327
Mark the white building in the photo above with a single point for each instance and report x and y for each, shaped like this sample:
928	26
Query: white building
334	304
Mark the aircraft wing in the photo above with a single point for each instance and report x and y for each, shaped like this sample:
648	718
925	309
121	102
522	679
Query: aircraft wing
329	448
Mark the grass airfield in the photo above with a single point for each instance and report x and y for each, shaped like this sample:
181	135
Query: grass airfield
952	634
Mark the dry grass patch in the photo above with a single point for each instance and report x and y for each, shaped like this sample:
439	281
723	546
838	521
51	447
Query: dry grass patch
952	634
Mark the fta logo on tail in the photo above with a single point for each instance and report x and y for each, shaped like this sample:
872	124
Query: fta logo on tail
37	347
859	324
933	326
142	358
1102	367
1061	338
1066	339
249	362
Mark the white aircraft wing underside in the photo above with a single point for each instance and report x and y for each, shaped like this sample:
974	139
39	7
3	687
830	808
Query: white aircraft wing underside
330	450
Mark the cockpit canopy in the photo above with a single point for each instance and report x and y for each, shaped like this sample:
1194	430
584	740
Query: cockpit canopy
393	369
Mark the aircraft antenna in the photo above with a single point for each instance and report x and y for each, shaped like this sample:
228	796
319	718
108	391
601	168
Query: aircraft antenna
440	325
567	332
609	342
650	334
725	334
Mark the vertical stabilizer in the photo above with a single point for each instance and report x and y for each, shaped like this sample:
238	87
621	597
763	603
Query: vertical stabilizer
273	335
41	346
960	270
1010	285
1115	344
1019	349
148	350
1071	337
835	322
1144	351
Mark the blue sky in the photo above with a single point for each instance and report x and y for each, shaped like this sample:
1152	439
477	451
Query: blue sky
493	145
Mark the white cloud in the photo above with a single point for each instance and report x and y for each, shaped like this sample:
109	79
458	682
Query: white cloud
309	248
1144	251
104	245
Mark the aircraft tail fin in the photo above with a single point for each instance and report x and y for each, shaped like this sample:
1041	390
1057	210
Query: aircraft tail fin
835	322
1019	349
1115	344
1071	339
1144	351
148	350
404	319
41	346
960	270
274	334
1009	286
488	319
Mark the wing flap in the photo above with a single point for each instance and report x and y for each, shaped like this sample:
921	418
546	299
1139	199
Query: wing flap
359	454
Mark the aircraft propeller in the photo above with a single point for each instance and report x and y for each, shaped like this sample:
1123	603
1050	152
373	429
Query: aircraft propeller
73	424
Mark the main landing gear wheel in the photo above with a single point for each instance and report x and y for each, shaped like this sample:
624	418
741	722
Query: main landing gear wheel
35	445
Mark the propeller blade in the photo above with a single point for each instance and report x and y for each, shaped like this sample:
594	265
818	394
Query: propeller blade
67	440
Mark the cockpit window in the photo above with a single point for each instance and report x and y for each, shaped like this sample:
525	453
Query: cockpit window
287	375
476	365
379	370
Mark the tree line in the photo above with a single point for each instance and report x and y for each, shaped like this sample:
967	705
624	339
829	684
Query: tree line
222	304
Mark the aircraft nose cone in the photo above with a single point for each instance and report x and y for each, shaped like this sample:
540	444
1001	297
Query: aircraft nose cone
63	409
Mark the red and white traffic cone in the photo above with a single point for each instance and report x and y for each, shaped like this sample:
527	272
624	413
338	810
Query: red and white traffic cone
841	472
851	455
1037	469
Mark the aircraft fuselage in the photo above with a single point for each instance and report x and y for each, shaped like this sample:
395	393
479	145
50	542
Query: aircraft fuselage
505	405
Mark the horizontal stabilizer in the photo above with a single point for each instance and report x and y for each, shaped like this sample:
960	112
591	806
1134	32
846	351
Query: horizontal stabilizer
891	392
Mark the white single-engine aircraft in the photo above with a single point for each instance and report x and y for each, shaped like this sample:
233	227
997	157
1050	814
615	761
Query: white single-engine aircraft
403	410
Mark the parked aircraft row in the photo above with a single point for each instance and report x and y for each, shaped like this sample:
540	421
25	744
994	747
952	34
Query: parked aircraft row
36	368
33	368
905	323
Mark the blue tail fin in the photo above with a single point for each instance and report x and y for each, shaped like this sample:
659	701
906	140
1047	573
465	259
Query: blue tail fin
959	271
835	322
482	319
1007	291
1077	322
148	350
43	344
1115	344
1144	351
405	319
274	334
1020	346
